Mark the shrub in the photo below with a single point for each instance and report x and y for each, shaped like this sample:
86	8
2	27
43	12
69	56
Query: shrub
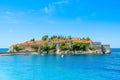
16	48
45	37
35	48
91	48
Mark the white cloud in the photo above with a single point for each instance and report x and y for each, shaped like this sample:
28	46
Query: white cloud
10	19
13	17
52	7
12	13
49	9
61	2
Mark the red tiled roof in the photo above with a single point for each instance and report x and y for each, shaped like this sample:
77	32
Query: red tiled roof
39	42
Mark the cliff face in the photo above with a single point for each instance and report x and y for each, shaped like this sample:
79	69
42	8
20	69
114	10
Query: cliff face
61	46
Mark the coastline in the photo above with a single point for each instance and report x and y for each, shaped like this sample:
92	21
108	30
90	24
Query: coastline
36	53
16	53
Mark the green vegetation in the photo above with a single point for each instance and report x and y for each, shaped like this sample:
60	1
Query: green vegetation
32	39
35	48
53	37
67	44
45	37
16	48
53	46
87	38
80	46
60	44
92	48
45	47
69	37
64	46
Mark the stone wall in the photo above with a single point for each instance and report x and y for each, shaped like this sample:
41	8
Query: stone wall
106	49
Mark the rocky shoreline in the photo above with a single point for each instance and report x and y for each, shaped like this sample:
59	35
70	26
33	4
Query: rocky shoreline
50	53
72	52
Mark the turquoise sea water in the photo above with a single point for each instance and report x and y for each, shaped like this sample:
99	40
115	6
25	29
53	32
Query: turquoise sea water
3	49
55	67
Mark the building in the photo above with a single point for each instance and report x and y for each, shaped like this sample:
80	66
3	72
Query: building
100	48
97	46
106	49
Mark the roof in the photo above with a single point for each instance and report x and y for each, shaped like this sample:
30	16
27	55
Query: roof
40	42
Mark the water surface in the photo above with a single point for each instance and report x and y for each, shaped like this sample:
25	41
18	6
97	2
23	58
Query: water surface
54	67
3	50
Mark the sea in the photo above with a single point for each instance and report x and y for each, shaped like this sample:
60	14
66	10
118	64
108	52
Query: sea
57	67
3	50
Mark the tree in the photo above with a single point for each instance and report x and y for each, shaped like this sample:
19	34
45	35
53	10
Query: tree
76	46
83	46
45	37
53	46
53	37
46	47
32	39
69	37
35	48
16	48
83	38
80	46
92	48
63	46
87	38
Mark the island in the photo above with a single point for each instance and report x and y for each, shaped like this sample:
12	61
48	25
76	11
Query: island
61	45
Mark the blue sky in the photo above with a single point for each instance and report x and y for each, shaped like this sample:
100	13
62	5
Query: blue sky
21	20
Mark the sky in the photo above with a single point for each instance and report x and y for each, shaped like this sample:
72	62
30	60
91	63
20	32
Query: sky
22	20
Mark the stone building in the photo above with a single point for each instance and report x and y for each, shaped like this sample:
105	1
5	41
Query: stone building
97	46
106	49
100	48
